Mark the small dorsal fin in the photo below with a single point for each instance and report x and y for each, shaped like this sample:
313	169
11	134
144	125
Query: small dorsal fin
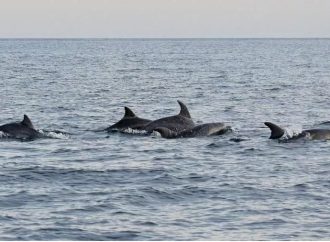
27	122
184	110
129	113
277	132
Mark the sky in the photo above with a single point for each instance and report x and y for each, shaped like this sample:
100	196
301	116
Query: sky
164	18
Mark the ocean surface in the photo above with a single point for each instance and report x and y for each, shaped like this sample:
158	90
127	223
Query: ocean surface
85	185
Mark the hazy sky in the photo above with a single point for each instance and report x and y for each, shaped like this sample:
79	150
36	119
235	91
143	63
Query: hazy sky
164	18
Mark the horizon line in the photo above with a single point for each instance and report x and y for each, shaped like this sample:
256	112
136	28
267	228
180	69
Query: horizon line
153	38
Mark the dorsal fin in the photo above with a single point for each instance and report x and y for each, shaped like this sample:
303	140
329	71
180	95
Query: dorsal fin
129	113
184	110
27	122
277	132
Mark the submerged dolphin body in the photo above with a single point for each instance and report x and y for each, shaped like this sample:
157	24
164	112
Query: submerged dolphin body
176	123
313	134
130	120
20	130
198	131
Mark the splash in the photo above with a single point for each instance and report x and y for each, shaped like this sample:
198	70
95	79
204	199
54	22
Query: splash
3	135
129	131
291	133
135	131
54	134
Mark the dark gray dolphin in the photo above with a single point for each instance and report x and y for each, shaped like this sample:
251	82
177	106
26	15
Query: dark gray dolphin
20	130
198	131
313	134
176	123
130	120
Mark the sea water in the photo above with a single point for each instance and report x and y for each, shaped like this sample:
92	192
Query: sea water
87	185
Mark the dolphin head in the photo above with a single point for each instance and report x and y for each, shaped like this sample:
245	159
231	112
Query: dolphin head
219	129
317	134
206	130
165	132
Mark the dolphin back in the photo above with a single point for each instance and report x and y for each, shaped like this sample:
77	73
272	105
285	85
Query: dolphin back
198	131
19	131
206	129
130	120
176	123
317	134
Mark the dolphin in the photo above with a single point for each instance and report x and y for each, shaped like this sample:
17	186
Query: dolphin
312	134
198	131
130	120
176	123
20	130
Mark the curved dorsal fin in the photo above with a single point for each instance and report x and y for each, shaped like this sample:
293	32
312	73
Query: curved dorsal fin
27	122
277	132
184	110
129	113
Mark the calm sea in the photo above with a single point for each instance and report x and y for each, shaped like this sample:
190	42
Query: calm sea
89	185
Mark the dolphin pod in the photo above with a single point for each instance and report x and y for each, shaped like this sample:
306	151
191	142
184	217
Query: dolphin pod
183	126
176	126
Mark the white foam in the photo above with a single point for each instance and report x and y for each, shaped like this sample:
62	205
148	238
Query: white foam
54	135
291	132
134	131
3	135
